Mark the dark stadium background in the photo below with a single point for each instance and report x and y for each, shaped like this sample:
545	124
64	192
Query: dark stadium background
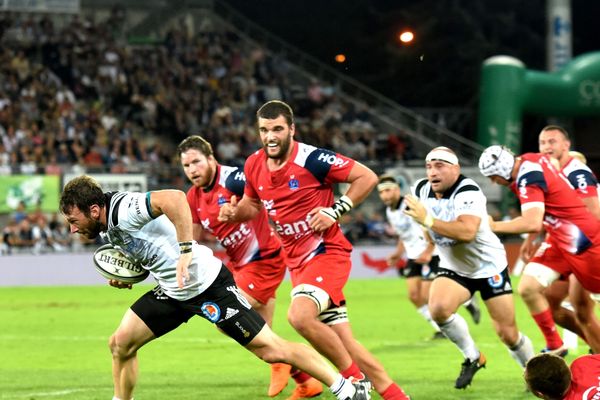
453	36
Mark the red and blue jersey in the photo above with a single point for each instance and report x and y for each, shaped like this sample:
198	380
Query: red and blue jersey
581	178
244	242
291	192
566	217
585	378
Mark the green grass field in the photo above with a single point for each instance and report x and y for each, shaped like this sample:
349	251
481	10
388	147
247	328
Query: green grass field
53	345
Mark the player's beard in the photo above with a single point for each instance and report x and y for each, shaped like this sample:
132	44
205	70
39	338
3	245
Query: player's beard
93	229
207	179
284	147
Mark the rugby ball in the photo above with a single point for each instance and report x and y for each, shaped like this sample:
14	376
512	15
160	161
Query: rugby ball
113	264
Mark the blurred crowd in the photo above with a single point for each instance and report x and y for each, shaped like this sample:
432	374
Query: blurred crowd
74	97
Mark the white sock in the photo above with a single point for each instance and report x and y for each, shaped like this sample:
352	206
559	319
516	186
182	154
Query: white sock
424	311
342	388
522	351
457	330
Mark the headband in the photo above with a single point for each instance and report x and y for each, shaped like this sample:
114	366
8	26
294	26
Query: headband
442	154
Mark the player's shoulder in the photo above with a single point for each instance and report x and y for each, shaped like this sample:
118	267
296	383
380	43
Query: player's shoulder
420	186
531	162
466	185
575	166
123	205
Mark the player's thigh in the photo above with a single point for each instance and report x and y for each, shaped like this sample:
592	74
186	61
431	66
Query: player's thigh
447	293
160	313
580	299
132	333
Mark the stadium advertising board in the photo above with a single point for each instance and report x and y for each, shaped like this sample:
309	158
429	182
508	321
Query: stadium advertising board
116	182
32	190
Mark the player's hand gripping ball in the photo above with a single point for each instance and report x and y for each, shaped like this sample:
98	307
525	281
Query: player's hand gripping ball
114	265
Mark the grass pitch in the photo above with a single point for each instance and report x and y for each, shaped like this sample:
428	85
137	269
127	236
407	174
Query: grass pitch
53	345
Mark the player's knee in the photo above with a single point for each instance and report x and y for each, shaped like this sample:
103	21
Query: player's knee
120	345
300	321
415	297
439	312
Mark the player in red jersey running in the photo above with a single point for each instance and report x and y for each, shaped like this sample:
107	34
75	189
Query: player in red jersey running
548	377
555	143
573	244
294	181
254	250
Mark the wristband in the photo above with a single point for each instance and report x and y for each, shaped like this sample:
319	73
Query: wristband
184	244
428	223
339	208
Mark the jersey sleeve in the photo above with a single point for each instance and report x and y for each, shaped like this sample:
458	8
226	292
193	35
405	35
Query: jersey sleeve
135	210
236	182
192	200
531	184
584	182
469	200
249	188
329	167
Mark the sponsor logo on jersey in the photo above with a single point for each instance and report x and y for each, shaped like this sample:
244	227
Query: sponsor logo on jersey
244	331
496	281
331	159
293	184
211	311
523	188
221	200
235	238
297	229
582	183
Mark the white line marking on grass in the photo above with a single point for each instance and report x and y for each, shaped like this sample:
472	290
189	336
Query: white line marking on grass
44	394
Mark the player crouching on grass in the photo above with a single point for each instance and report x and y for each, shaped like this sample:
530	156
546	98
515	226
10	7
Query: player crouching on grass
156	228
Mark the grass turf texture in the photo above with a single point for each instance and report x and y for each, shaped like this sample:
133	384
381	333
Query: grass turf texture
53	345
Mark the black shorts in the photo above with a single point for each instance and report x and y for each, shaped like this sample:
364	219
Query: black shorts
222	304
427	272
494	286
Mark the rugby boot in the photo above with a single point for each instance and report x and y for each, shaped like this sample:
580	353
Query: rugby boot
468	370
561	351
280	375
307	389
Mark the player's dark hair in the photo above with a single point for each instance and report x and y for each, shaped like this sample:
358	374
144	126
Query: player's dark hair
274	109
549	375
82	192
387	179
195	142
557	128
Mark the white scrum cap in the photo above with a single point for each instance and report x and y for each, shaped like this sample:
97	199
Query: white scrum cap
442	154
497	160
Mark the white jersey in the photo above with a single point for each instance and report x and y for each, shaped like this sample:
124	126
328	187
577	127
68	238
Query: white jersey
483	257
152	242
409	232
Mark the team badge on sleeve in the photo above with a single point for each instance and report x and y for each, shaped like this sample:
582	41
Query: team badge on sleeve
211	311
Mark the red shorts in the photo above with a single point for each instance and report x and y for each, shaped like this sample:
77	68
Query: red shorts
260	279
329	272
585	266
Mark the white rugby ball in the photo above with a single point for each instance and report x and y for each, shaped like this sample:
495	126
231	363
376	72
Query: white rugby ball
113	264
